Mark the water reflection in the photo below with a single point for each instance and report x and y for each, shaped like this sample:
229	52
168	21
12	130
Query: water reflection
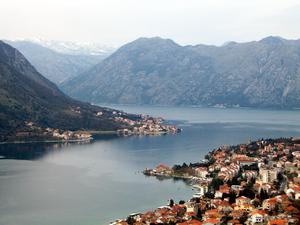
37	150
92	184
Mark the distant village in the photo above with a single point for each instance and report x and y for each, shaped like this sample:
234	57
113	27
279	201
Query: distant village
139	125
254	183
146	126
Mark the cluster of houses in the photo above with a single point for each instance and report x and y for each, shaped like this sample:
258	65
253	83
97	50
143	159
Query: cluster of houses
69	135
145	126
131	125
52	133
255	183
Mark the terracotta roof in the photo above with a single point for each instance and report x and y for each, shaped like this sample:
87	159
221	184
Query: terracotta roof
224	203
233	221
163	166
271	201
211	220
211	211
292	209
191	222
237	212
123	223
243	198
261	212
247	205
296	188
278	222
191	213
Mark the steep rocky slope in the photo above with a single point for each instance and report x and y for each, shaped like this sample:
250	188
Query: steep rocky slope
56	66
263	73
26	96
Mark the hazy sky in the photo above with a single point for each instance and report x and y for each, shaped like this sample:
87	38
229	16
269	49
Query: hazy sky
115	22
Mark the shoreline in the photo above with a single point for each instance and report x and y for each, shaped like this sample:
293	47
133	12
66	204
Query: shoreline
116	105
145	126
234	183
112	132
45	141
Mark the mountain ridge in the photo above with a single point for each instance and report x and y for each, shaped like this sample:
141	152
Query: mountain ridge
26	97
56	66
158	71
70	47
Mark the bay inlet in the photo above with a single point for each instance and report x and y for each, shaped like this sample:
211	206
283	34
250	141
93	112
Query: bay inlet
95	183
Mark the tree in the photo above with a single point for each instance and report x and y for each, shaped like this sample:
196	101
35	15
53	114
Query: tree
226	219
171	203
251	183
215	184
243	219
199	213
263	195
247	192
232	197
256	203
130	220
290	157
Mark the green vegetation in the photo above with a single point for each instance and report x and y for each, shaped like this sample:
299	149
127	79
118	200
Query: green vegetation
26	97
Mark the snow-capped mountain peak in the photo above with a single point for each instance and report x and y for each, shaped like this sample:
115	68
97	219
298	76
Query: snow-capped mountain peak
74	48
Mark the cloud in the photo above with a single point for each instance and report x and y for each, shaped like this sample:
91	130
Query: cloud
115	22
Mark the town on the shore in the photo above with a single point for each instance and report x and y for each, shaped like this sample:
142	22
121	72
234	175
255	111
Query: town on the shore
253	183
139	125
147	125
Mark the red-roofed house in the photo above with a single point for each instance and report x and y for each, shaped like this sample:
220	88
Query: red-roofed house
163	169
258	216
269	204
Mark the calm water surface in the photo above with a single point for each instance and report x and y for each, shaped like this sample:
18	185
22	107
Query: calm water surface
89	184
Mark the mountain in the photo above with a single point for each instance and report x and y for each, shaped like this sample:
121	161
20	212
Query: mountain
26	97
75	48
57	61
158	71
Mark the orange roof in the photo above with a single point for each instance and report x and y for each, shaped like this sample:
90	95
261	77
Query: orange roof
237	213
233	221
223	203
261	212
243	198
292	209
278	222
191	213
247	205
224	188
211	220
246	160
296	188
191	222
177	206
211	211
272	201
163	166
123	223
